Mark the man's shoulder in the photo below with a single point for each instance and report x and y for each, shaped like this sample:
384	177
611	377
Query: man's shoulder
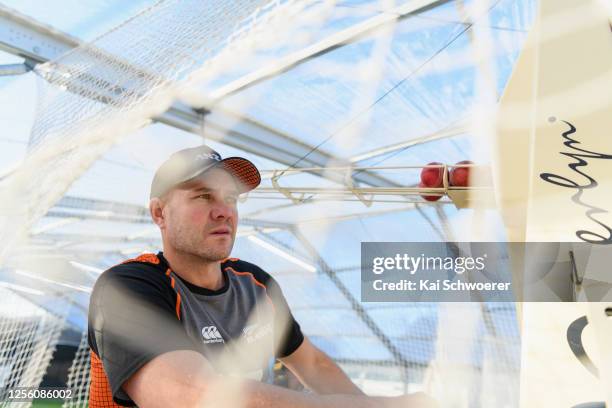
237	265
146	267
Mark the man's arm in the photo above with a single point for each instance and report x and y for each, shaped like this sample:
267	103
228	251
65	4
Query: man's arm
185	379
318	372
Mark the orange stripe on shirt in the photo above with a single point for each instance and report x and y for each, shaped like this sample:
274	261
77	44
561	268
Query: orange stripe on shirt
178	295
178	305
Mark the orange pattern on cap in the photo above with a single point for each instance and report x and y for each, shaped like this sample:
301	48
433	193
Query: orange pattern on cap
243	170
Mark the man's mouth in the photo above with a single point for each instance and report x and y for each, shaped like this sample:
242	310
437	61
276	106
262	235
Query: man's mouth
221	231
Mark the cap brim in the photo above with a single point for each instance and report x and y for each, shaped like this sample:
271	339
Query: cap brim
243	170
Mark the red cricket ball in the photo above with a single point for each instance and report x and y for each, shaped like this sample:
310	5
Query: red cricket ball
429	197
460	176
432	176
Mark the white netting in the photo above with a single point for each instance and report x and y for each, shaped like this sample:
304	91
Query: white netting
89	98
78	376
477	356
28	336
106	89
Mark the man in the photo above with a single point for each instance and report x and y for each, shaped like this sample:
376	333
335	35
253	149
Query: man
190	327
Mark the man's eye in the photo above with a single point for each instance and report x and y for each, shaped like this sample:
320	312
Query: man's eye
205	196
232	200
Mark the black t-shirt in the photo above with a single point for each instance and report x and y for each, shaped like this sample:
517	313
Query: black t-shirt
141	309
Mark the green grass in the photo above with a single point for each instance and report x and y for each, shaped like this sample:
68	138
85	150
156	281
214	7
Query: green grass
47	403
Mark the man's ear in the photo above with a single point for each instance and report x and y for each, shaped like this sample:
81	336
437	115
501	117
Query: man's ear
156	209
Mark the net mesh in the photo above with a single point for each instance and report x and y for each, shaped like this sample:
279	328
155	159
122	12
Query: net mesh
28	337
78	376
477	356
88	99
100	91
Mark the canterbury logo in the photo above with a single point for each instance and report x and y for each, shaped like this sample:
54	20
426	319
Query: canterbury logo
211	335
208	156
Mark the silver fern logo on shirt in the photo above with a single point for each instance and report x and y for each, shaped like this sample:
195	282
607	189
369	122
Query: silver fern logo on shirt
254	332
211	335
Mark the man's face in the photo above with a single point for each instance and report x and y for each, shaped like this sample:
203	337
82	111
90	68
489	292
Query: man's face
200	216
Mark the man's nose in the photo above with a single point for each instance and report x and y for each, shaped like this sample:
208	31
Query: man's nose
221	210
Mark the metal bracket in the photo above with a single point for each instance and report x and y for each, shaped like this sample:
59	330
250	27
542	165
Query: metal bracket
348	181
295	200
445	176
